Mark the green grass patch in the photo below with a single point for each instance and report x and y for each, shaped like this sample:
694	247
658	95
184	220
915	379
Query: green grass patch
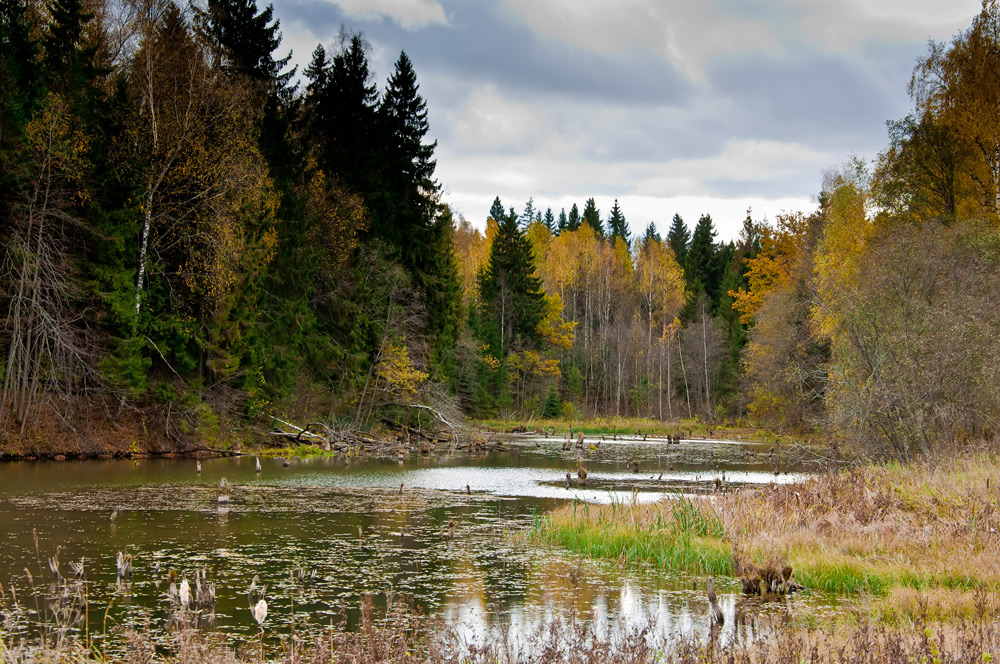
685	539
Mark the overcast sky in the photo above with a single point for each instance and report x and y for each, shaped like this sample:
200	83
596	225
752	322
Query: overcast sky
689	106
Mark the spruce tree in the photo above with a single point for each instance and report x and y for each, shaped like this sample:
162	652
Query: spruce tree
573	221
550	221
510	292
19	85
349	120
617	226
592	216
497	213
249	38
405	212
650	234
678	237
563	223
701	263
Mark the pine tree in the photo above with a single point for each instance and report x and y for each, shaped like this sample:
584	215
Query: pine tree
592	216
617	226
678	237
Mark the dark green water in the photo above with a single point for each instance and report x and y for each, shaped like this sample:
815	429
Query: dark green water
350	523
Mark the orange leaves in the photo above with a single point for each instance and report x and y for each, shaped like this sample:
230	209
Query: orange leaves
773	267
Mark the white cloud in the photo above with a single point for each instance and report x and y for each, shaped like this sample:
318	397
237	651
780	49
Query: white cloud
687	34
408	13
489	121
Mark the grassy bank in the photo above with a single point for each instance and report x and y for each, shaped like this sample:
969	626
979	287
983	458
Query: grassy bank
917	535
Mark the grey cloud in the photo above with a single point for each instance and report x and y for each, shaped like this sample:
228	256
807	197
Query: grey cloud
482	44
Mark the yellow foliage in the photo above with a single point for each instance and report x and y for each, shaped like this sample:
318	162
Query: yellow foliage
845	233
531	363
540	237
774	265
553	329
660	281
472	252
396	372
340	217
58	146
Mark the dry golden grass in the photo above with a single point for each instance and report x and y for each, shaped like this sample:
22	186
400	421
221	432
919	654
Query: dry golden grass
870	529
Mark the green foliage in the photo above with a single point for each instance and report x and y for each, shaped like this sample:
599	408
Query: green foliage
617	226
510	292
678	238
592	216
552	406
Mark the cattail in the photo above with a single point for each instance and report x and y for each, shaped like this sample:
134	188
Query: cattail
259	612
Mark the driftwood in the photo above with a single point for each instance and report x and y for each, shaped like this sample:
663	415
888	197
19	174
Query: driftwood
454	428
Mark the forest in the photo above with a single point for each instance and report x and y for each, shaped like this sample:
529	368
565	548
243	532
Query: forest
198	238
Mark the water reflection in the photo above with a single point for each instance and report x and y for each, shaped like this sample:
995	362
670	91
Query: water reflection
361	534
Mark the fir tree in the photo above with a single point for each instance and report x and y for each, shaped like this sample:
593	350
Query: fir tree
563	223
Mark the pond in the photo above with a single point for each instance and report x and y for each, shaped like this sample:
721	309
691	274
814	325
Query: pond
444	529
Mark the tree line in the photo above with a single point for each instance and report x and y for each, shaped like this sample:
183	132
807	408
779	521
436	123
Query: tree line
197	237
191	241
